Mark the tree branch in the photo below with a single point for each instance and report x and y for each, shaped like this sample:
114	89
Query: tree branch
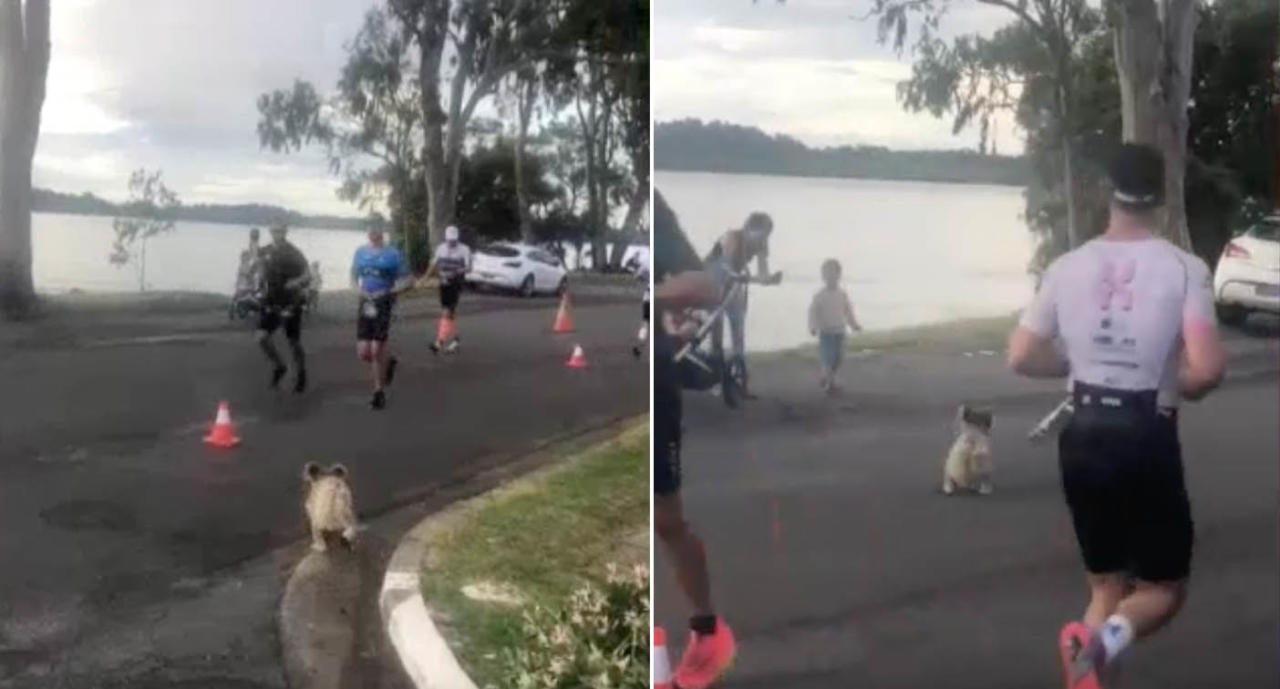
1021	14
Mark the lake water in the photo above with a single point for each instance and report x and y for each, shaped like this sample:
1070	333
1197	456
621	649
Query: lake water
912	252
71	253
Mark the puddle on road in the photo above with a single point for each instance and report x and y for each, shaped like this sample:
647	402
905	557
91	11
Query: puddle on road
82	515
213	549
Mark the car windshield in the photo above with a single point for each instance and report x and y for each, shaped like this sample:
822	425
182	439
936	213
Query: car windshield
1268	229
500	251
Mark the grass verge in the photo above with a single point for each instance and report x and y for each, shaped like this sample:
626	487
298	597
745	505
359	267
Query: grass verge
963	335
533	541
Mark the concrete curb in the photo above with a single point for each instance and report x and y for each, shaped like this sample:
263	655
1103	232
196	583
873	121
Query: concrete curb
423	651
424	654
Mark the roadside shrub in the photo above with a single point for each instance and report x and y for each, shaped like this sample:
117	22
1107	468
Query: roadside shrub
598	640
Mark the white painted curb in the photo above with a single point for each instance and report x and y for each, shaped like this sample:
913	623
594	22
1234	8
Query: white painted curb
422	651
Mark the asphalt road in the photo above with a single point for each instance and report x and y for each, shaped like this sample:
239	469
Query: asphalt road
135	556
839	564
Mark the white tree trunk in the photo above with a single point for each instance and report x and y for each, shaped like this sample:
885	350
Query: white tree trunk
1153	51
432	34
24	63
526	92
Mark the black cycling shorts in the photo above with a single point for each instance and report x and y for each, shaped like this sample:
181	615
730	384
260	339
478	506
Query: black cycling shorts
1123	480
450	292
272	317
667	417
374	326
644	312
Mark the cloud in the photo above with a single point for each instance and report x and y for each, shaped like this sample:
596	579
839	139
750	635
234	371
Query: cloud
173	85
731	40
810	68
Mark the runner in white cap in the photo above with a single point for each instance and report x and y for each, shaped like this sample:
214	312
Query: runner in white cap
451	261
1136	317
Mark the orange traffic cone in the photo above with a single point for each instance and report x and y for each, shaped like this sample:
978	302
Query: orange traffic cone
661	664
223	434
445	330
578	359
564	322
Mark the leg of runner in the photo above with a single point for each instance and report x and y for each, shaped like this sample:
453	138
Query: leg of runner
1105	593
267	324
293	332
711	645
452	295
736	314
377	356
643	335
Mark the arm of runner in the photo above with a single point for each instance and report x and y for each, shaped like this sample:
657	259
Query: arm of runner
813	316
404	276
1204	361
1031	350
302	274
426	275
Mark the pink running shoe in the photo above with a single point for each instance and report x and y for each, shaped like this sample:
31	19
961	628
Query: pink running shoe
706	658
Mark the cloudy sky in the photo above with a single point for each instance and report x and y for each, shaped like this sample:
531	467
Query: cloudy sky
808	68
172	84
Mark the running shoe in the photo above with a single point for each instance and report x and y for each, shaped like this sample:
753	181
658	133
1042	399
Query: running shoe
392	362
1082	656
379	400
277	374
706	658
435	347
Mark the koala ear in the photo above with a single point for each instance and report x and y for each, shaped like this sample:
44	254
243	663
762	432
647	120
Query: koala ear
338	470
310	471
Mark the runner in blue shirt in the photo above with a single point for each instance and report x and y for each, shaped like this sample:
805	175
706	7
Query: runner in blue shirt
381	273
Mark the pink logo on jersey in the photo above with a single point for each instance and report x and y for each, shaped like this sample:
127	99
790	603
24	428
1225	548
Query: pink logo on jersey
1115	285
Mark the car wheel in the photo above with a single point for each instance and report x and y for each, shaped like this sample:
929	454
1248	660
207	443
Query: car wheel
526	287
1232	314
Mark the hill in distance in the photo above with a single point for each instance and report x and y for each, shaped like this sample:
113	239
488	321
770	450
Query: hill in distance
46	201
694	146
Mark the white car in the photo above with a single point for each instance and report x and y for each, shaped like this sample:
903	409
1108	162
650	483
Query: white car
1247	278
524	268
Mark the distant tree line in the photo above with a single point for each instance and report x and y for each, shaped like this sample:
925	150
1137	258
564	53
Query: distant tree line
694	145
47	201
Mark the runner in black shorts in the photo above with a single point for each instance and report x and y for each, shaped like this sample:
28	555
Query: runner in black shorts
380	273
1136	316
680	282
285	276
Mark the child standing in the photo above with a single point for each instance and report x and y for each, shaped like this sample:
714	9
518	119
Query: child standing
829	314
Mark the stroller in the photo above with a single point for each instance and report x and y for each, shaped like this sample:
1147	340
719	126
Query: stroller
701	361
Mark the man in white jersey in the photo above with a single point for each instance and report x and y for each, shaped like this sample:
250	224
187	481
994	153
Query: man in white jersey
451	261
1135	316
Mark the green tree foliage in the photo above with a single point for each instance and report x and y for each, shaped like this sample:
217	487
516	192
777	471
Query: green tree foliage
148	212
409	95
374	115
1229	171
487	202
